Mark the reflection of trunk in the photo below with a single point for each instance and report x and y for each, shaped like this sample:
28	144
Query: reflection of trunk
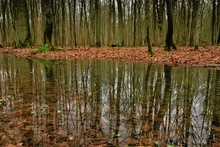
216	117
117	104
187	104
145	106
164	107
96	96
167	71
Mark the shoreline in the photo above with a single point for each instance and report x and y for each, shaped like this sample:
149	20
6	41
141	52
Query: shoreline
205	57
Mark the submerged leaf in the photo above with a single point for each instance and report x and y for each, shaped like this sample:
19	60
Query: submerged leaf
157	143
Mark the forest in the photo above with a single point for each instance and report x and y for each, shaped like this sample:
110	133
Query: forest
96	23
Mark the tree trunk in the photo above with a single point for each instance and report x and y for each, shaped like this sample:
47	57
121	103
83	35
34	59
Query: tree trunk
160	13
213	21
169	36
109	24
48	22
134	23
22	23
92	22
147	15
74	22
98	23
218	19
120	24
195	27
4	4
64	24
155	25
86	22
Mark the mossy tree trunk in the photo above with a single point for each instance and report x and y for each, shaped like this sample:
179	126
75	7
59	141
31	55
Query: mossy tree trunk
22	24
47	46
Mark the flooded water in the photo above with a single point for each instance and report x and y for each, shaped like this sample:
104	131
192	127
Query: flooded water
107	103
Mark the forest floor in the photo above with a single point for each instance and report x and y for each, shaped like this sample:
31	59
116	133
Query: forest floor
208	56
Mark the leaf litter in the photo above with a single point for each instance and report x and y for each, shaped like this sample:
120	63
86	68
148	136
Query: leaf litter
205	56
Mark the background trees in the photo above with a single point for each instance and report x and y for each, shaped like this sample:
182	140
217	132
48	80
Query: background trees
112	22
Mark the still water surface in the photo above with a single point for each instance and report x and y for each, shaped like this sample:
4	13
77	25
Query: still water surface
107	103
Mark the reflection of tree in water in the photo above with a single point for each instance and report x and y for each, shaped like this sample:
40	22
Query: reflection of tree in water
114	103
216	112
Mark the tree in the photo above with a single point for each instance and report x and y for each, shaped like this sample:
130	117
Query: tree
120	24
147	13
134	23
98	22
112	22
22	23
72	21
169	36
218	17
213	21
47	46
3	30
160	7
195	26
48	21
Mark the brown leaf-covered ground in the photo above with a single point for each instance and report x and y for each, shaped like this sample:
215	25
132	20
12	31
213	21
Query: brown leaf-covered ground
205	56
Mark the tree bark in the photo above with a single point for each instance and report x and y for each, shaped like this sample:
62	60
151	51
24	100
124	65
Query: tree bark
195	27
147	15
213	21
64	24
86	22
48	21
160	13
134	23
4	4
22	24
218	20
169	36
113	22
120	24
98	22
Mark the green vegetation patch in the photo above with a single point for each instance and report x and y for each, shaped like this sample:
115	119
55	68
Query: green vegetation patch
46	48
